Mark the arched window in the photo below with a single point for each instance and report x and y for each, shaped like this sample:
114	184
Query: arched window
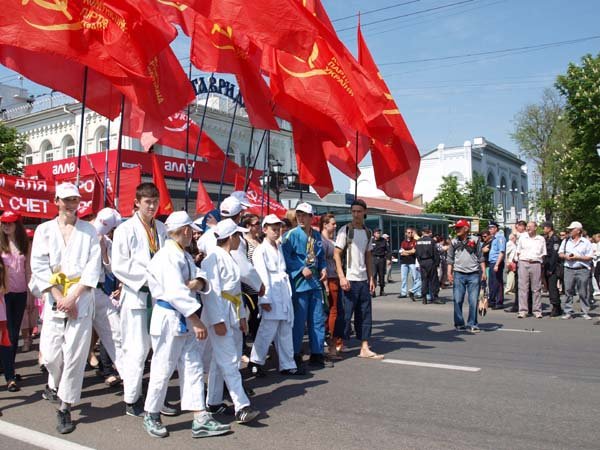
47	151
68	146
459	177
491	181
101	141
28	155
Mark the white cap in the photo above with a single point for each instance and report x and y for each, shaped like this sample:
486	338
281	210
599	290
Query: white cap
230	207
199	220
305	207
575	225
66	190
242	197
226	228
385	235
180	219
271	219
106	220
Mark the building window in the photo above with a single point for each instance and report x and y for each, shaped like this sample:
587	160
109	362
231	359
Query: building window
46	151
101	139
68	145
28	155
48	156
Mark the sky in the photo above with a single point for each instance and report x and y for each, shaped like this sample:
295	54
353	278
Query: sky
459	69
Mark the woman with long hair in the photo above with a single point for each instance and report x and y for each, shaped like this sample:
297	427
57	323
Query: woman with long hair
14	246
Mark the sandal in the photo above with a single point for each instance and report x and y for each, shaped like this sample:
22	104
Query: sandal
373	355
12	386
112	381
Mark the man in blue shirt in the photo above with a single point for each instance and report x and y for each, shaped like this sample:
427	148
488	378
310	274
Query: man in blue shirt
496	265
305	263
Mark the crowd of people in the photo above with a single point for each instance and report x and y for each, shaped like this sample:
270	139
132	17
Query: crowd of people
199	297
205	297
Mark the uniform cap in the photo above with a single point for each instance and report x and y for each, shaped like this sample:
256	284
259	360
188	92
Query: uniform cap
305	208
271	219
230	207
66	190
242	197
180	219
228	227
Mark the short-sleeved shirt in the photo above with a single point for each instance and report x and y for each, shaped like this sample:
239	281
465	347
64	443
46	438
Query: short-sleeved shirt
408	244
498	246
360	244
583	247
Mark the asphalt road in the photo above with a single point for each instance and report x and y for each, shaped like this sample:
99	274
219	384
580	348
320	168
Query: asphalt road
537	387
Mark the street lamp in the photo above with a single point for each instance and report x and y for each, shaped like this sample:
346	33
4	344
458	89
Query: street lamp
276	168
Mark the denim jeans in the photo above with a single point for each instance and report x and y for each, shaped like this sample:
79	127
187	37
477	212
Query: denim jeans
357	301
466	283
416	276
308	307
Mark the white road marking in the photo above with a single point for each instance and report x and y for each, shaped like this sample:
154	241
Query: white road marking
38	439
432	365
515	329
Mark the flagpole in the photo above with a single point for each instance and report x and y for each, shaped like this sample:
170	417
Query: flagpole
249	157
255	160
106	163
265	177
188	186
83	100
119	147
227	154
187	144
268	171
356	173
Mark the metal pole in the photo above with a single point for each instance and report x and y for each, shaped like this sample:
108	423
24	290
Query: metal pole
187	144
119	147
226	155
83	100
249	158
106	164
356	173
255	161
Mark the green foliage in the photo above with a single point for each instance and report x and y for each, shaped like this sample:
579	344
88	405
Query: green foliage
480	197
12	147
579	171
449	200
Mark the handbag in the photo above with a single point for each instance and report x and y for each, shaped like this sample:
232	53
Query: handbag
482	304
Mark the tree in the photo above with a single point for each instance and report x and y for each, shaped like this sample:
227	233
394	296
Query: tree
12	147
542	133
449	200
579	171
480	197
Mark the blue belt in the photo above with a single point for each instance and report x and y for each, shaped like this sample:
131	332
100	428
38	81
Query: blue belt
182	324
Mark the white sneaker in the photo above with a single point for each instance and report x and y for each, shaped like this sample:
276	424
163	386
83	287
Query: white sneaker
586	316
538	315
566	316
521	315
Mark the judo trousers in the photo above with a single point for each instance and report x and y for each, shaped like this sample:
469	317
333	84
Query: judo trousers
107	324
135	343
279	332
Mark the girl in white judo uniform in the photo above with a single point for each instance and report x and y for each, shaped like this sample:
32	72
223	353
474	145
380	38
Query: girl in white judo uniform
134	243
65	268
225	316
177	334
277	310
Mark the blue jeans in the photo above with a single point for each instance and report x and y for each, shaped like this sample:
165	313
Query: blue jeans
416	276
358	301
308	306
468	283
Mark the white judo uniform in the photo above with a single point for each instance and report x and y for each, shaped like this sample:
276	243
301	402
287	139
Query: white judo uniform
224	276
130	258
275	325
174	344
64	341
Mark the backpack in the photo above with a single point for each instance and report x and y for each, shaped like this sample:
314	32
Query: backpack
346	253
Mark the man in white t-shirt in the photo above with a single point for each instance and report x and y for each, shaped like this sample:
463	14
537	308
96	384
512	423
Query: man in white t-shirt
354	264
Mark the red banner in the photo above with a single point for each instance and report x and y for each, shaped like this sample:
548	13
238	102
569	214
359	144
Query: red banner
260	200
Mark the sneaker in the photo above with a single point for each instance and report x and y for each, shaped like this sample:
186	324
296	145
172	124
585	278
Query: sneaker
401	296
586	316
381	292
412	296
207	426
65	425
154	426
169	410
246	415
50	395
134	409
566	316
538	315
318	360
257	370
293	372
439	301
460	328
298	360
220	409
474	330
521	315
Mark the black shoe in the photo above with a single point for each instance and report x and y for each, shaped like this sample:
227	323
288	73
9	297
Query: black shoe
412	296
134	409
293	372
317	360
249	391
381	292
257	370
425	301
439	301
373	295
512	310
498	307
169	410
50	395
460	328
65	425
401	296
222	409
12	386
246	415
298	360
18	377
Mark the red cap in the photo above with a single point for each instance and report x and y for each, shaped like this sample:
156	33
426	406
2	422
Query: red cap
29	232
9	217
462	223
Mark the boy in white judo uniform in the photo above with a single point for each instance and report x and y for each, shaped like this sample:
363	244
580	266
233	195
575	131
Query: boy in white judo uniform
277	310
135	242
65	268
177	333
225	316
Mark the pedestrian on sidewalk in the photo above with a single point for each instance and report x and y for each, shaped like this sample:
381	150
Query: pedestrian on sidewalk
429	258
551	265
381	252
531	251
496	264
408	265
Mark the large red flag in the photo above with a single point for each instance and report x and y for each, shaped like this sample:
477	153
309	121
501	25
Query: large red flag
165	206
260	200
179	14
217	48
396	160
204	203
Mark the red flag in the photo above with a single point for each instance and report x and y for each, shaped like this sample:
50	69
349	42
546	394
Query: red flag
260	200
165	206
204	203
396	160
221	49
179	14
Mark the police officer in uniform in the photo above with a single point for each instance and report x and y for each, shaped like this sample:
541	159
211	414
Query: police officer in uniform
551	267
381	252
429	259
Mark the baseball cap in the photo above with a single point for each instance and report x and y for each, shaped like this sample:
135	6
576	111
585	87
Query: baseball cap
574	224
180	219
271	219
548	224
9	217
493	224
242	197
66	190
385	235
230	207
305	208
461	223
228	227
106	220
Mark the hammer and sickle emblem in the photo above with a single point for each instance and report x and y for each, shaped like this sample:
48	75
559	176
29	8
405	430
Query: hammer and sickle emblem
227	32
60	6
310	62
175	5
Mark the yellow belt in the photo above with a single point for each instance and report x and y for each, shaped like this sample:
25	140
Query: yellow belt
60	279
237	301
